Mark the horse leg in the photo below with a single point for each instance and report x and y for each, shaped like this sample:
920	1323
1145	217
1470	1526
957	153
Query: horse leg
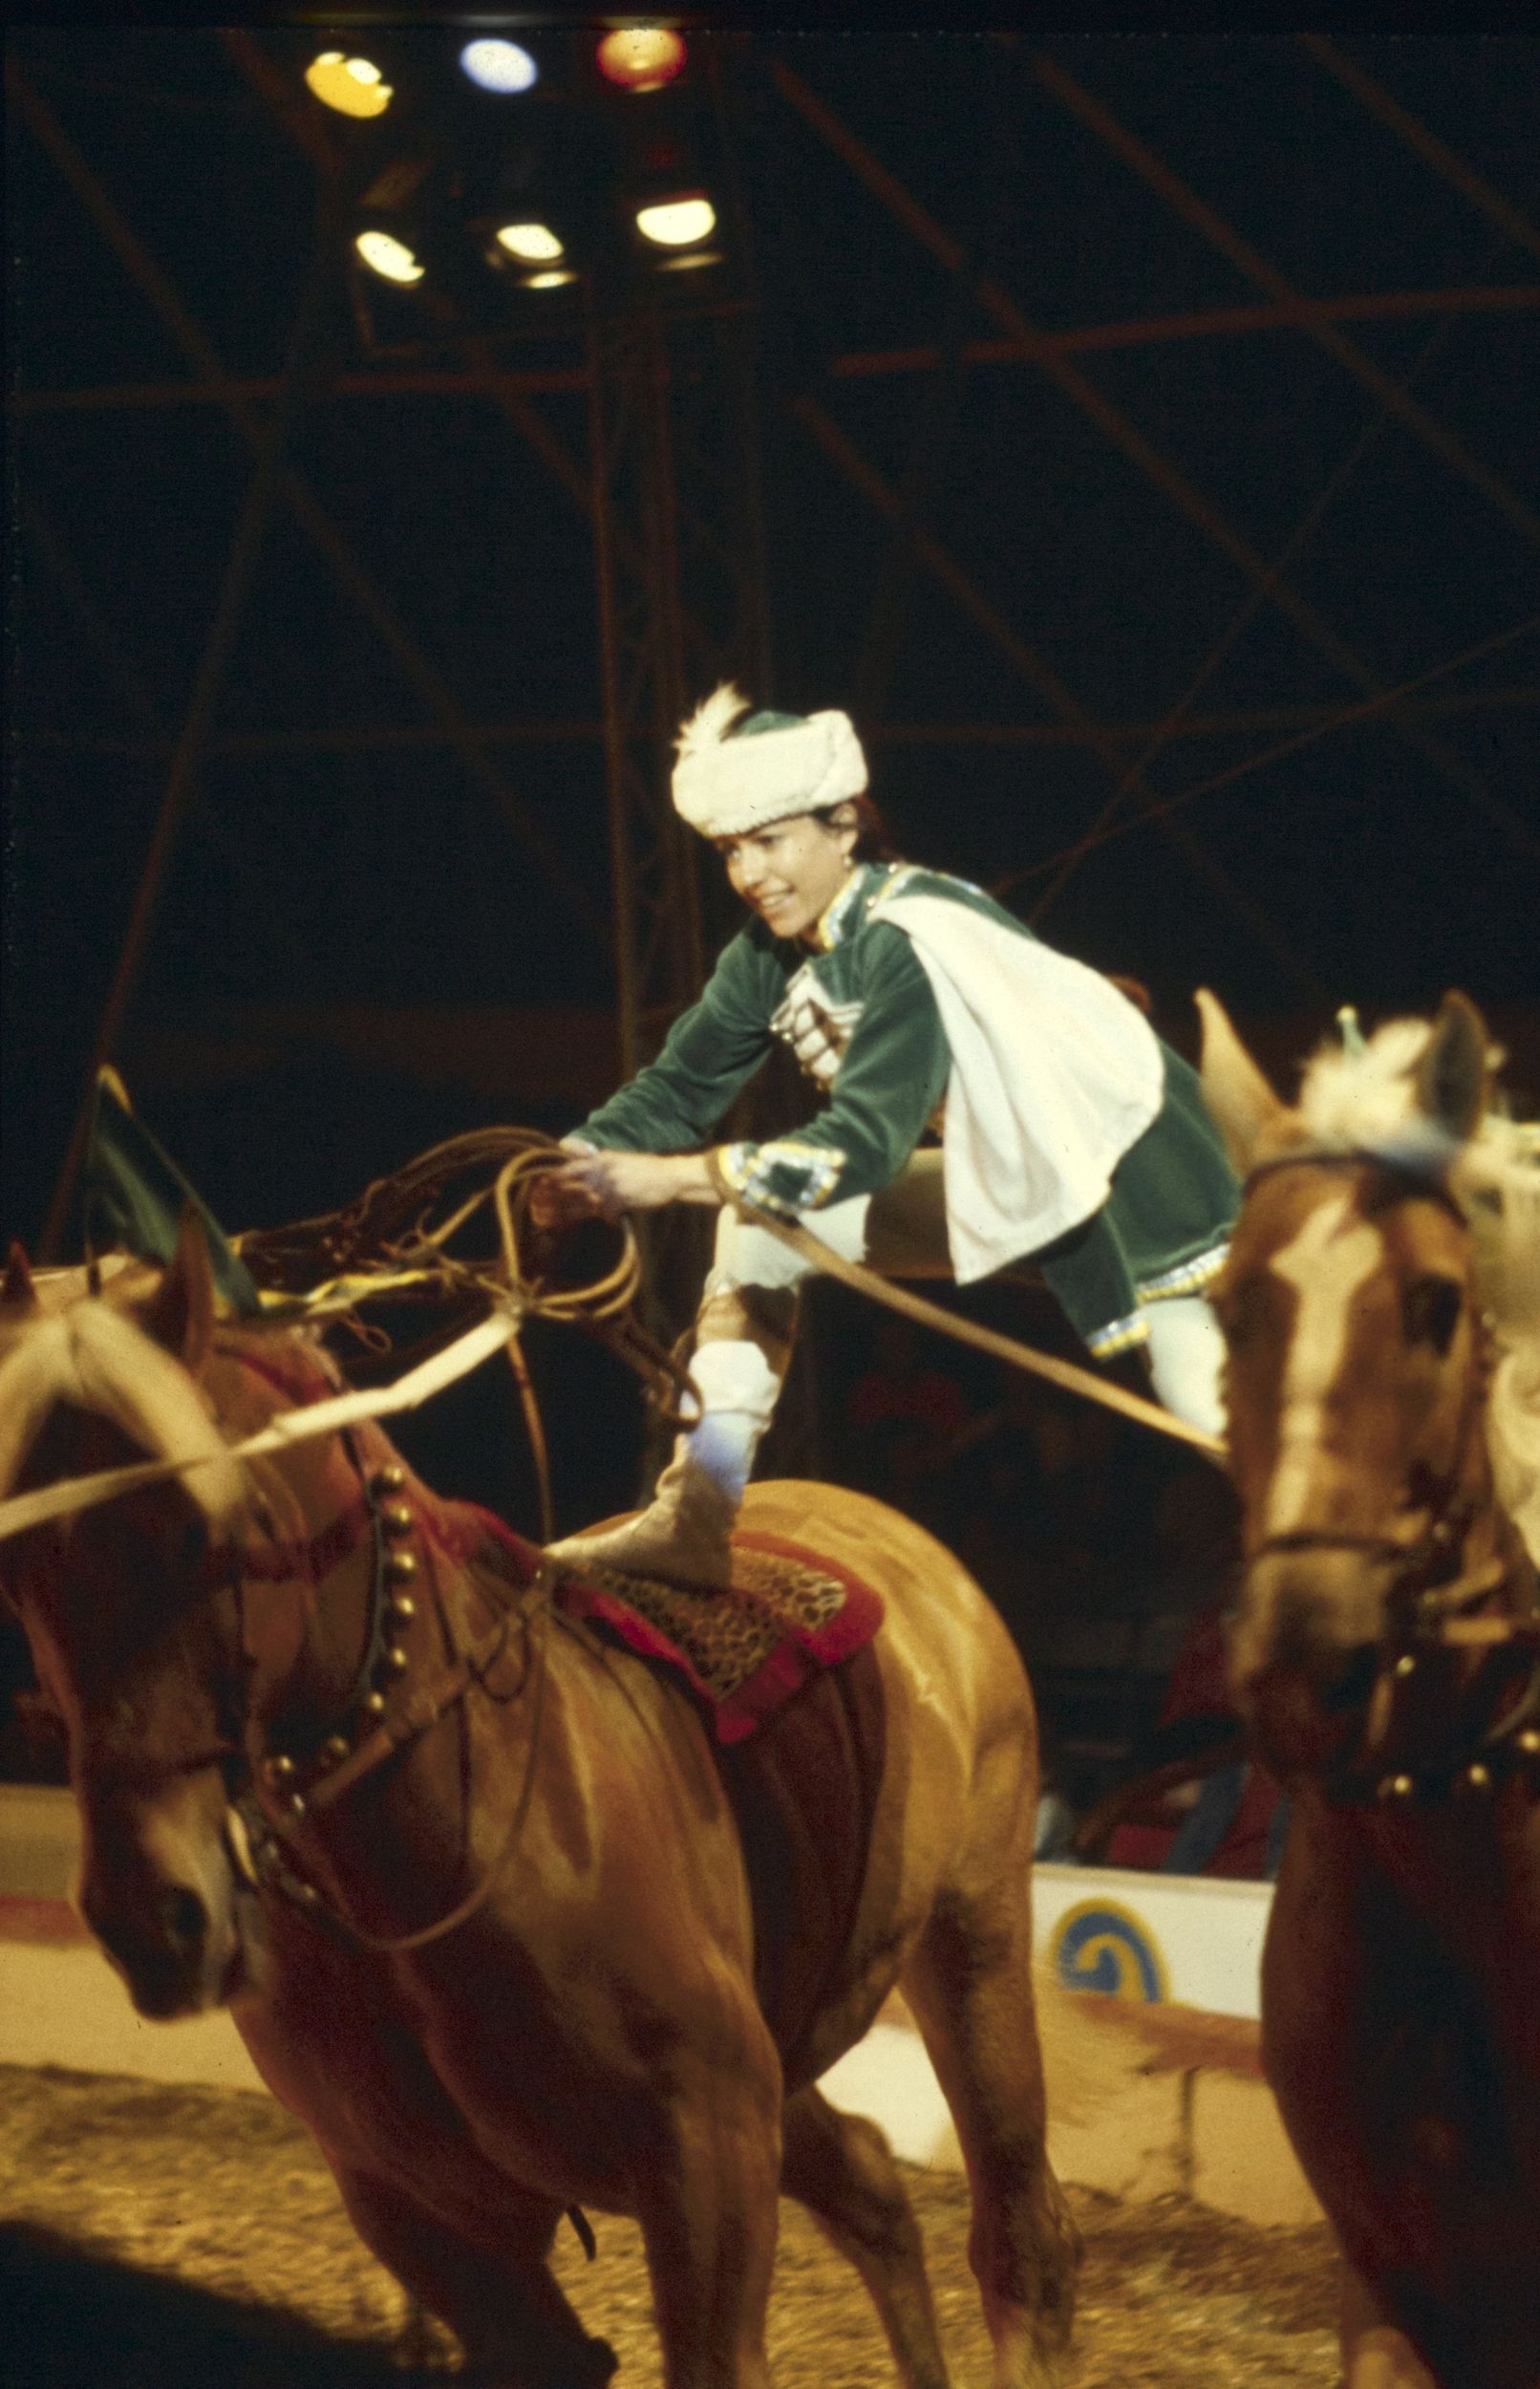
841	2169
707	2207
969	1983
1375	2355
494	2291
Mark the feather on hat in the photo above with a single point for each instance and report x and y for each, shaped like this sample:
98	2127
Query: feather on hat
735	775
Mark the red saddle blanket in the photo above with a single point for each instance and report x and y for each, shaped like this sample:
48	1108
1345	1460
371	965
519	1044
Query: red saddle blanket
802	1777
745	1646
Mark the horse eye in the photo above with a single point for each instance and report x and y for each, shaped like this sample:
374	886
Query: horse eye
1430	1311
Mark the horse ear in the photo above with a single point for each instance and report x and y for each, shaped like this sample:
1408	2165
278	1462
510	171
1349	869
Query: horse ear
180	1314
1451	1077
17	1293
1239	1099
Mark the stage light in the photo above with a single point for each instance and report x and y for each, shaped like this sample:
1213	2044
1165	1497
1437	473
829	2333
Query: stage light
389	257
553	281
534	243
355	87
677	223
640	58
499	66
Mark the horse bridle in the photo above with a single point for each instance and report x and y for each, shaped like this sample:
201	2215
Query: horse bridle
1429	1591
369	1727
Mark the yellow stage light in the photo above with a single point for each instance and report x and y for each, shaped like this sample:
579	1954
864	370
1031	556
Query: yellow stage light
677	223
640	58
388	256
548	281
354	86
535	243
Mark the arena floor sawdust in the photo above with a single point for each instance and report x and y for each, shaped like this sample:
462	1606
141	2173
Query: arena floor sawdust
222	2200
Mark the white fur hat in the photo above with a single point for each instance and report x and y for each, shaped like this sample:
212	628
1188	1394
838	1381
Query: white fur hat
734	776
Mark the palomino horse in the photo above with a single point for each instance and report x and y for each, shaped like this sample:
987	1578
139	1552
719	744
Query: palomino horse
495	1916
1381	1307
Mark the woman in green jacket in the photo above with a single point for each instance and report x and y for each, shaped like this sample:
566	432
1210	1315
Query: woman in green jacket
1069	1131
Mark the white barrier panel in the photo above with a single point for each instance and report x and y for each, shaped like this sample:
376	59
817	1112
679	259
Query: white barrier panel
1196	1939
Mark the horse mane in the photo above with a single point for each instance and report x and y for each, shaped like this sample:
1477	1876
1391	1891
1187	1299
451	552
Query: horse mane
1368	1102
96	1357
1497	1181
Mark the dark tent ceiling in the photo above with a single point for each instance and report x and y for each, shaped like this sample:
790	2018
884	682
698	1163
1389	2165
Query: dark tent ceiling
1143	423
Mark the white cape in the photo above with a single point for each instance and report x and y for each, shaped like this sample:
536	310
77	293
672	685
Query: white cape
1054	1075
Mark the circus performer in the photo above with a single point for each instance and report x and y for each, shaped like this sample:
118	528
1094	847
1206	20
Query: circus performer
988	1100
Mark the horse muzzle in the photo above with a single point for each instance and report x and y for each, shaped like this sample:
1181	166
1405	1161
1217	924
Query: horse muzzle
158	1893
1305	1651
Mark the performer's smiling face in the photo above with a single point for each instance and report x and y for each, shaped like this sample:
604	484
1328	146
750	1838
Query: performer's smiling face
790	871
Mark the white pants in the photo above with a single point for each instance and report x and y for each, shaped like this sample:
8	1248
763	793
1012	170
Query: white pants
1186	1354
901	1231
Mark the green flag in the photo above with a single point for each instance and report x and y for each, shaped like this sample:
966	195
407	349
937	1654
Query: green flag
134	1196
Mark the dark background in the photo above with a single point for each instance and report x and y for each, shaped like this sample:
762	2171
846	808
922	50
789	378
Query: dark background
1007	580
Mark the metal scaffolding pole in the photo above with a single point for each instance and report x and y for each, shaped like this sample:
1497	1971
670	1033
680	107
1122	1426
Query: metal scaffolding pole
672	445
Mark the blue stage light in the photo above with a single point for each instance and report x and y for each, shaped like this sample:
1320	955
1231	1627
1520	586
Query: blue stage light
499	66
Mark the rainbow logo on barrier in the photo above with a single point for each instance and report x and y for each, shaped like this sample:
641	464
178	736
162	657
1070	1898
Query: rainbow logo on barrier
1099	1946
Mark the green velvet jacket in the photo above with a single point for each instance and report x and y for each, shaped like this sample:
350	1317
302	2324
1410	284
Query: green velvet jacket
860	1012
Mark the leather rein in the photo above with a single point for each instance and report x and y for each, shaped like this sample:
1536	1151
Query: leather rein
1434	1604
393	1700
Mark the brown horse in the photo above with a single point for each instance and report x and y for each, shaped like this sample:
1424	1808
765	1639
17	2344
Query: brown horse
494	1915
1380	1303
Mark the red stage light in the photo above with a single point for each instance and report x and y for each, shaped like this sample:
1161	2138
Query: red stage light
640	58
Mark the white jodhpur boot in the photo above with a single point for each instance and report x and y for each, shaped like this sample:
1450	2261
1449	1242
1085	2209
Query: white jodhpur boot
683	1534
1186	1359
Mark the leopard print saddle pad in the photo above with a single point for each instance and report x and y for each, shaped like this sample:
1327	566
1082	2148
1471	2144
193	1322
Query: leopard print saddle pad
745	1646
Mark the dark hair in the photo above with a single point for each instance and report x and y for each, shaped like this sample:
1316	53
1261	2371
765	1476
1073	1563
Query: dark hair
874	842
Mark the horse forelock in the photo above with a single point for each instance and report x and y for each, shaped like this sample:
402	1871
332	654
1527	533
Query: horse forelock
95	1357
1369	1101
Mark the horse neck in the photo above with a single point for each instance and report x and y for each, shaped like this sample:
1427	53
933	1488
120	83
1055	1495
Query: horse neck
1490	1531
334	1517
1468	1863
307	1567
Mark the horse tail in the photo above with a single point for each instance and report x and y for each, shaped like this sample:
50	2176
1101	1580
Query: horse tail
1092	2050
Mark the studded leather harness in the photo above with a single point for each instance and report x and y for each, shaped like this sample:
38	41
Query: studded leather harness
397	1692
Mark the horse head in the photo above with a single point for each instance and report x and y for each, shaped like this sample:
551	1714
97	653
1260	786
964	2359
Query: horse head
1357	1377
127	1607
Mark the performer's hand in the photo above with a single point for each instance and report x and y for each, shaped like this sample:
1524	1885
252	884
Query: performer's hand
606	1184
558	1202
